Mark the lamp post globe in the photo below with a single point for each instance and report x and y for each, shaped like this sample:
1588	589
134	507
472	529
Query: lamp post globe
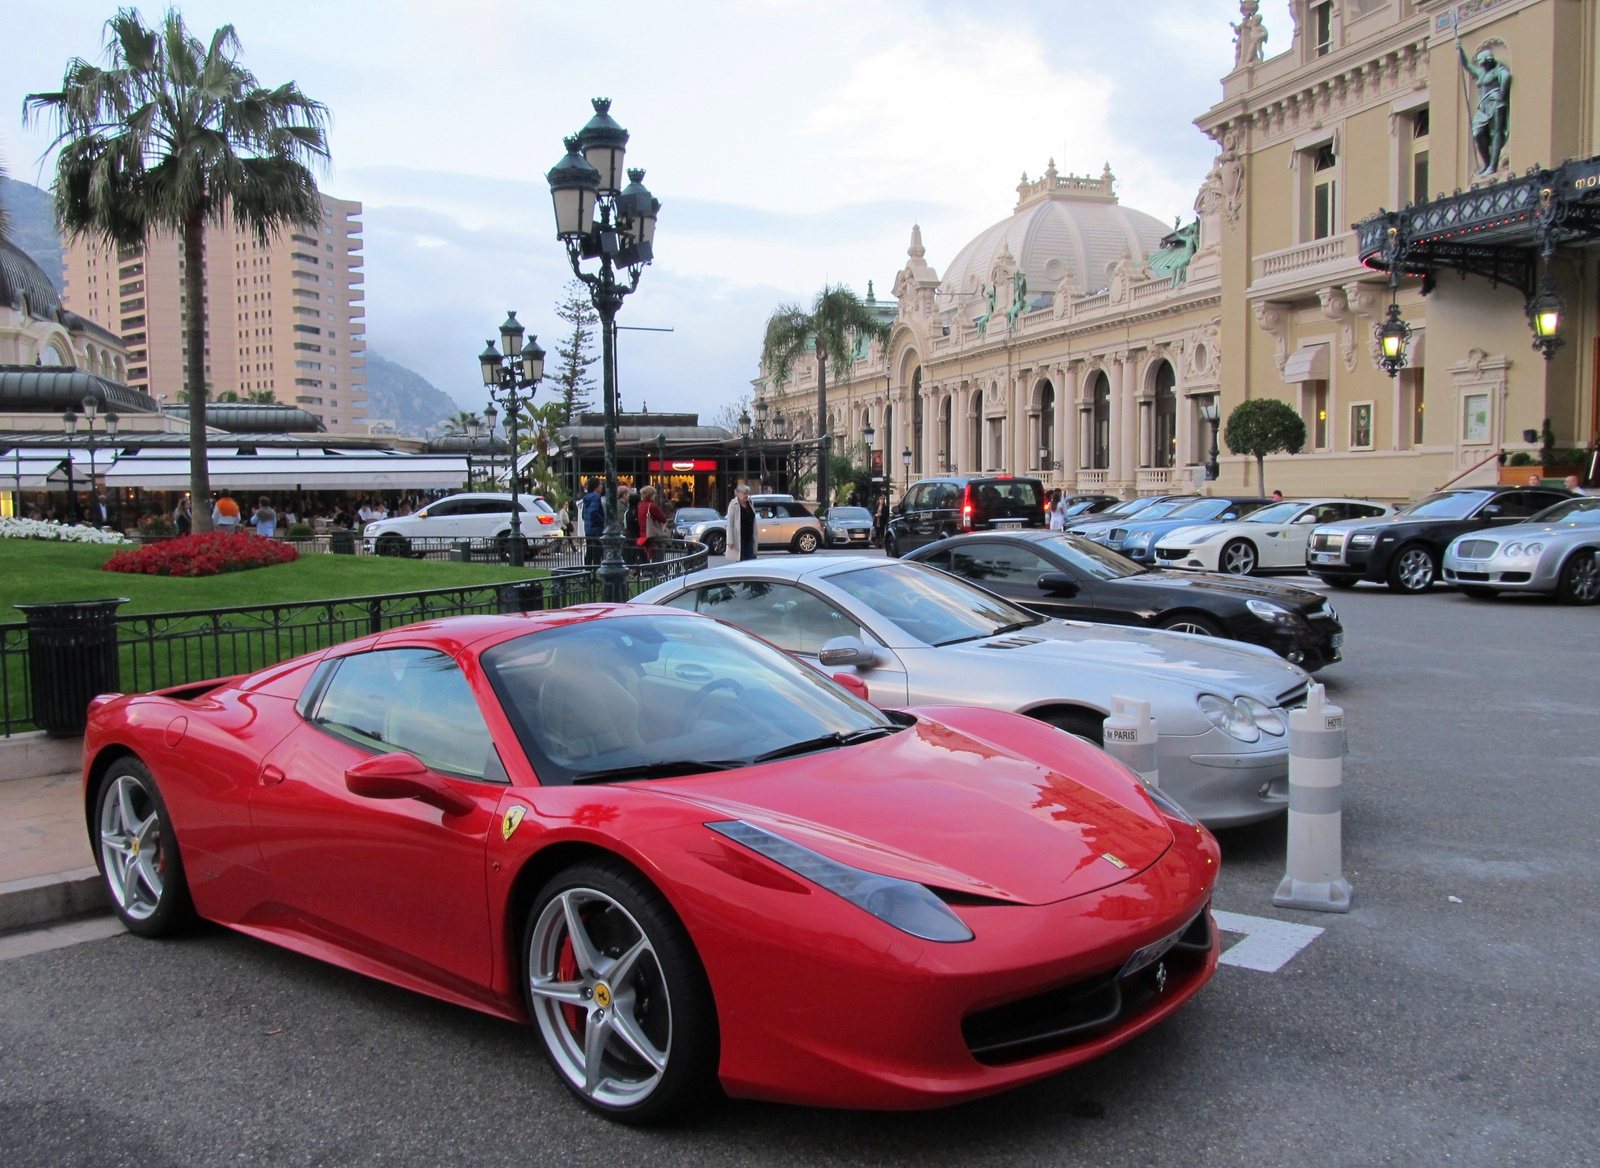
532	361
1211	414
511	335
489	361
1392	336
1544	314
604	145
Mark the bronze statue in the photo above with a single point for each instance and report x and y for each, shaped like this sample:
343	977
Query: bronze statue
1491	121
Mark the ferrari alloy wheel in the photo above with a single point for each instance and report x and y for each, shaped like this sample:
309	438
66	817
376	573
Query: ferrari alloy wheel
138	853
618	994
1580	578
1238	558
1413	570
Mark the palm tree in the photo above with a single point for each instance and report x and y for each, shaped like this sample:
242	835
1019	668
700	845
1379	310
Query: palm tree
174	134
837	320
464	422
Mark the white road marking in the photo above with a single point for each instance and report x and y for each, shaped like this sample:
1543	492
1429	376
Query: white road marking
59	936
1268	944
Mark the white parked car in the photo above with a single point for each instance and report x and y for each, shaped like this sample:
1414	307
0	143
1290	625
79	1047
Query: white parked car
470	516
1272	539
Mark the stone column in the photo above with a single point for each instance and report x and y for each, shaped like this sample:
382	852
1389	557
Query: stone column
1128	408
1115	471
1067	425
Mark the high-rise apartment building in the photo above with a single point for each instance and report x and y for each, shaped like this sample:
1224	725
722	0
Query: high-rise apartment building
284	317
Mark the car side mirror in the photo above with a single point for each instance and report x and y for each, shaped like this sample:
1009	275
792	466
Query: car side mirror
847	651
1492	510
404	776
854	684
1058	584
900	507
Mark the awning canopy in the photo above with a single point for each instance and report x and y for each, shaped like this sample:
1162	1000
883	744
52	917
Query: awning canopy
1307	363
312	472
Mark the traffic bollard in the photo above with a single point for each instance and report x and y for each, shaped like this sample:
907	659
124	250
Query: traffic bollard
1314	876
1130	737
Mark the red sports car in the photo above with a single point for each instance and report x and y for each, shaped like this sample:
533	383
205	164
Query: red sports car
684	856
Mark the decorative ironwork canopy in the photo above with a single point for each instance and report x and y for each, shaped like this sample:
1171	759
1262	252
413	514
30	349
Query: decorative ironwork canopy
1499	231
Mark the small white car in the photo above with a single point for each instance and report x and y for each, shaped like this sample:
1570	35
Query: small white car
469	516
1272	539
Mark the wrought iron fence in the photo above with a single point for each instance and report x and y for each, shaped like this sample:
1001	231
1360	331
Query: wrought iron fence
158	650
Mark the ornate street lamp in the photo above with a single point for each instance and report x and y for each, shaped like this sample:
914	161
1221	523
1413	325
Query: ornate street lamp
517	370
69	422
744	444
491	418
1212	416
1544	314
905	460
1392	335
599	219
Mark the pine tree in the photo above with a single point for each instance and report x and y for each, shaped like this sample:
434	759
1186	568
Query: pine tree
573	381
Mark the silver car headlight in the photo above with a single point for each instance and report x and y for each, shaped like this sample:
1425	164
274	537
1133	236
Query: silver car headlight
1273	614
1363	539
1519	551
1229	717
905	905
1263	715
1141	540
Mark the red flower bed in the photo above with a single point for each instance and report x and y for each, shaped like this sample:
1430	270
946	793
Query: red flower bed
202	555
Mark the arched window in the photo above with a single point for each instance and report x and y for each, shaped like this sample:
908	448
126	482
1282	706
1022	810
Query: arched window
51	355
1164	448
1100	423
1047	427
916	421
975	449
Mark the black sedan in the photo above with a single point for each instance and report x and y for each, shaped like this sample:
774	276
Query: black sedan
1063	575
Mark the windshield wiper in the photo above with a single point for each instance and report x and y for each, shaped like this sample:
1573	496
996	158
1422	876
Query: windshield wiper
841	738
998	631
657	770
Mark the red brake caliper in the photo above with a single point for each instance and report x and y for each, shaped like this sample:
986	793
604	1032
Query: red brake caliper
567	970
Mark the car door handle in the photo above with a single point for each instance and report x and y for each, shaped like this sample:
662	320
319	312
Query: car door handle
271	776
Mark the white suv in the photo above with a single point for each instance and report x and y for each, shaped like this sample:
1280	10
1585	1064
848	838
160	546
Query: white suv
476	516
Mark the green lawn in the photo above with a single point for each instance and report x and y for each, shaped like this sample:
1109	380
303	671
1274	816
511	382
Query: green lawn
40	570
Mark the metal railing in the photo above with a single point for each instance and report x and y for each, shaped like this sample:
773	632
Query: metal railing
159	650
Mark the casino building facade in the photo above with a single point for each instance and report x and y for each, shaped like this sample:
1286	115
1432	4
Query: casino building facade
1085	342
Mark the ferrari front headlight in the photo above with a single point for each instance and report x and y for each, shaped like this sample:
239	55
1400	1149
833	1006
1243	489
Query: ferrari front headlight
904	904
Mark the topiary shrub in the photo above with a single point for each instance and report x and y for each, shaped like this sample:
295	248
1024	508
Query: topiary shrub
1521	458
300	531
1263	426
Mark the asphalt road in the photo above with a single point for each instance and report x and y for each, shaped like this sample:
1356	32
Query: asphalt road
1414	1030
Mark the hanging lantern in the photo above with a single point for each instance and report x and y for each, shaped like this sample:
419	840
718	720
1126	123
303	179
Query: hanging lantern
1393	335
1544	314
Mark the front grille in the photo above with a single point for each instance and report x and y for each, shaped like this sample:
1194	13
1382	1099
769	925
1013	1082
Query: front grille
1172	553
1071	1015
1327	541
1476	549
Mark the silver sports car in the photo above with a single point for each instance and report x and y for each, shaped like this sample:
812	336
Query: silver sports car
1554	551
918	637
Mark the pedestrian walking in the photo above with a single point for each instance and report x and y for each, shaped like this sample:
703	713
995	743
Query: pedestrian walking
225	514
592	510
652	524
880	520
265	518
629	501
742	525
182	517
1058	512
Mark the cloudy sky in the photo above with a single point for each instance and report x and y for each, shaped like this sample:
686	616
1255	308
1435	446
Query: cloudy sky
791	142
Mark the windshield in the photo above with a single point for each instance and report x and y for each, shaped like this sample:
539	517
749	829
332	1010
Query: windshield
1277	513
849	515
695	515
931	606
1134	507
1087	556
1198	509
1580	511
1079	507
648	696
1446	505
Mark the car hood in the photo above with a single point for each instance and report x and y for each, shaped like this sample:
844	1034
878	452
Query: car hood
1219	584
1145	656
1381	521
942	808
1525	531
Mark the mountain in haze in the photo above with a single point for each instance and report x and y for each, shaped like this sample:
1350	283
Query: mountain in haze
416	404
33	225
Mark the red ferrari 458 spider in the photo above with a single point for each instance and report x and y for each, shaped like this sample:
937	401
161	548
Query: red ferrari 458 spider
683	856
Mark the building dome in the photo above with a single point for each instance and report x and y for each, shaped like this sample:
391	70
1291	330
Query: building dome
1065	227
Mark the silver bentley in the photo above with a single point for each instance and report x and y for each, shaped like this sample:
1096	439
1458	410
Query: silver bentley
919	637
1553	552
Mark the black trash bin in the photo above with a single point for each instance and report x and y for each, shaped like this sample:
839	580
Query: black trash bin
342	542
523	596
72	656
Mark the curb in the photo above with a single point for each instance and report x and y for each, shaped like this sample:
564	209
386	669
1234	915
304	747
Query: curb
40	900
35	754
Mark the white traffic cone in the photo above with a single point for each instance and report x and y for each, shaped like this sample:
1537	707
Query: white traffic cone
1314	876
1129	736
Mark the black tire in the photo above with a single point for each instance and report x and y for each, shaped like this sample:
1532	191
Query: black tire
1579	582
392	545
1338	581
891	546
805	542
1088	725
143	909
1413	570
716	543
1477	592
674	979
1238	558
1190	622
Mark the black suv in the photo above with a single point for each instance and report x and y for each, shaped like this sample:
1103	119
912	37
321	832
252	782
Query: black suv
939	508
1405	550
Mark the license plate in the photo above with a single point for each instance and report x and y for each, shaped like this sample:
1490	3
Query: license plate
861	535
1006	524
1336	641
1150	954
1324	557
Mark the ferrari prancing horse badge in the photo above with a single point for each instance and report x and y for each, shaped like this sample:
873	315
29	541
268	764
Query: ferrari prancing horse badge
512	821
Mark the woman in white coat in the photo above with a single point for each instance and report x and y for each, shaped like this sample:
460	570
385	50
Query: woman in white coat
742	526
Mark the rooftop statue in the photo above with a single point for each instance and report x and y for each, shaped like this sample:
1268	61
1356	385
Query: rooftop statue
1491	121
1019	299
1177	249
990	292
1249	35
